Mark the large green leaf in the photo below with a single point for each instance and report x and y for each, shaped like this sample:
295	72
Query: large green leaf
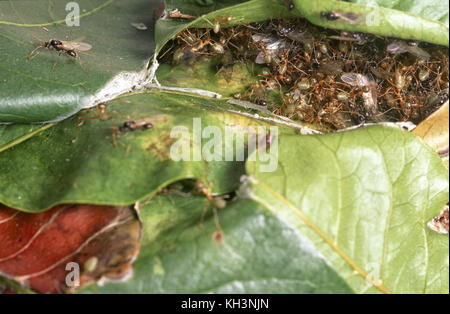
364	198
49	168
257	254
400	19
226	83
11	135
30	92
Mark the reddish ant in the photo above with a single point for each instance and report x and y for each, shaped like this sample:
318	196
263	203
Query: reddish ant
98	114
216	202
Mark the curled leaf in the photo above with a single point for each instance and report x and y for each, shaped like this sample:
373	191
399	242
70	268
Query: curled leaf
434	130
440	223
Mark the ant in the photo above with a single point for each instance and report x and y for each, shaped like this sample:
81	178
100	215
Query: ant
53	44
142	124
348	17
146	123
69	48
197	45
98	114
216	25
217	202
330	16
328	78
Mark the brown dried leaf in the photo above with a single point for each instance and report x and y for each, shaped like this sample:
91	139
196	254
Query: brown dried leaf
36	248
434	130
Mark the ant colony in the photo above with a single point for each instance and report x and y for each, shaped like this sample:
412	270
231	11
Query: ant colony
331	79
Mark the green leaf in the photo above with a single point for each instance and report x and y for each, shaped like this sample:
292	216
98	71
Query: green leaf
11	135
31	92
242	12
257	254
363	198
225	81
14	286
402	21
50	168
436	10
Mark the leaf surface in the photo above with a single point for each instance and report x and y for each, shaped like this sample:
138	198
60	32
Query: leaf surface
96	163
255	253
364	199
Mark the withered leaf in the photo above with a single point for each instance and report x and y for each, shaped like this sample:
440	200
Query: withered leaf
36	248
434	130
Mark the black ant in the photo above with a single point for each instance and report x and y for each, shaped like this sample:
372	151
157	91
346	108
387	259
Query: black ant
330	16
146	123
135	125
348	17
70	48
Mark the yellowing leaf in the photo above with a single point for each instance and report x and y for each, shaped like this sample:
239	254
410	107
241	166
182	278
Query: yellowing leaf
434	130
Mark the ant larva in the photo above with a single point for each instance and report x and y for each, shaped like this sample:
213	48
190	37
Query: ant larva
69	48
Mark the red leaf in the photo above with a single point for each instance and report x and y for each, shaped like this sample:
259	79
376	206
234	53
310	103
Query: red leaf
35	248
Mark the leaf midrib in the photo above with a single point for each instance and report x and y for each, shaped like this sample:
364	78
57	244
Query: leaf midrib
322	235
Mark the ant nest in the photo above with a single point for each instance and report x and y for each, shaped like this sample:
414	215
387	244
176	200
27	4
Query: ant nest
330	79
